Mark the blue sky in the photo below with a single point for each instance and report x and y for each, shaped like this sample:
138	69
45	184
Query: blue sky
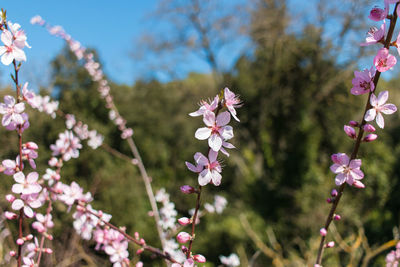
110	27
113	28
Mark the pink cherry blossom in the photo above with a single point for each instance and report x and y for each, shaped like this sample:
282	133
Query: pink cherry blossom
205	106
67	145
375	35
216	131
11	111
11	50
363	82
19	36
118	252
10	166
71	193
379	107
231	101
29	153
347	170
21	128
29	96
28	262
209	168
27	202
384	61
26	185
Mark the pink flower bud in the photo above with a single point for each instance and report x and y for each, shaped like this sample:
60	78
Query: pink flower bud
184	249
377	14
28	237
10	215
184	221
137	235
323	232
142	242
139	264
330	244
369	128
350	131
370	137
187	189
20	242
48	250
13	253
49	237
358	184
353	123
337	217
183	237
317	265
139	251
334	193
329	200
134	161
199	258
10	198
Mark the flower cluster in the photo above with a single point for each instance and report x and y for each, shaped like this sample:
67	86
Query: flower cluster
393	257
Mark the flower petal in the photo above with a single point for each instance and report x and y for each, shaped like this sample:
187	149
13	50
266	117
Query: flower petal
370	115
203	133
215	142
379	120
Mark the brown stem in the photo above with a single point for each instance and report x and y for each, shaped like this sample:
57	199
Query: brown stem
196	211
358	141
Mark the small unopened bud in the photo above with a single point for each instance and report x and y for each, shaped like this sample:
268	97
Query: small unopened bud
358	184
187	189
139	264
49	237
377	14
137	235
183	237
28	237
350	131
329	200
20	242
184	221
10	198
53	162
199	258
322	232
370	137
13	253
317	265
48	250
334	193
134	161
10	215
337	217
142	242
184	249
353	123
330	244
139	251
369	128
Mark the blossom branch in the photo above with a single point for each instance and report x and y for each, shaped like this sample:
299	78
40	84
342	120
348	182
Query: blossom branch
359	139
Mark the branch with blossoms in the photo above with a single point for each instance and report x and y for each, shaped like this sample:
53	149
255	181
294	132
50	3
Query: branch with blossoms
216	116
347	169
97	75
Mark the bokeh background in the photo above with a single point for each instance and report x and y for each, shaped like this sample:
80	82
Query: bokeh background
291	62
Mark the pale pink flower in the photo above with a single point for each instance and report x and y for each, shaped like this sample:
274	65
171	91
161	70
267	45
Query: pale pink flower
10	50
217	129
29	96
209	169
51	176
384	61
19	36
118	252
11	166
29	153
37	20
71	193
350	131
231	101
198	167
378	107
363	82
11	111
220	203
28	262
66	145
205	106
26	185
43	222
347	170
231	261
21	128
27	202
375	35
